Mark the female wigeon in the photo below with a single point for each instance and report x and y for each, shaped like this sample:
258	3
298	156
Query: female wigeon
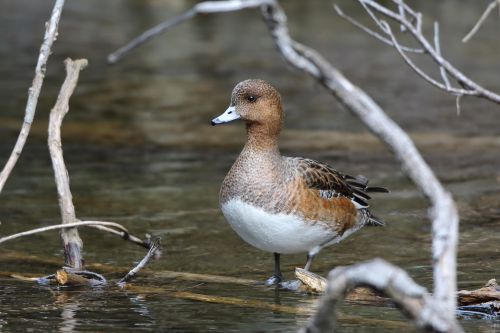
285	204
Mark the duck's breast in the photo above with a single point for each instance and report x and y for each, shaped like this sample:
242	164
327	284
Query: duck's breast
274	232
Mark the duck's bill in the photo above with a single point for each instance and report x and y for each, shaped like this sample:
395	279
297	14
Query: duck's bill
227	117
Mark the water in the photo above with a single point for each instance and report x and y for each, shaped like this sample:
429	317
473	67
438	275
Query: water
140	152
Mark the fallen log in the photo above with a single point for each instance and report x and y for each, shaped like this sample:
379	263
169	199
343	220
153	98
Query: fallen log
482	301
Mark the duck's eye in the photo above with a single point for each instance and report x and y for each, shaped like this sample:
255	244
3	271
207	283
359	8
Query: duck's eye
251	98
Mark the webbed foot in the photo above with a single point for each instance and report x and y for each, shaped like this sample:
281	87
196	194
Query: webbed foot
273	280
292	285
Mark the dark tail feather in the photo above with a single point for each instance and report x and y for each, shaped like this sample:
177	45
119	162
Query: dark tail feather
376	189
374	221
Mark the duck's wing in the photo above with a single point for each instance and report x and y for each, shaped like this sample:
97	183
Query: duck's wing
331	183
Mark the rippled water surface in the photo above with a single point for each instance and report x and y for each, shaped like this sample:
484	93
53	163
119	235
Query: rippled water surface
140	151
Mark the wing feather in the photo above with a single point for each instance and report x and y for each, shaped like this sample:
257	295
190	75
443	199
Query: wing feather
332	183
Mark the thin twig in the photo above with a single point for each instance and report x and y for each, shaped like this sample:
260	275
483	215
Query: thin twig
34	91
437	46
402	13
481	20
133	272
146	243
62	226
419	71
72	242
415	29
457	104
201	8
371	32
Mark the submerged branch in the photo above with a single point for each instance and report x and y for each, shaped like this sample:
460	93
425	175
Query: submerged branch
155	245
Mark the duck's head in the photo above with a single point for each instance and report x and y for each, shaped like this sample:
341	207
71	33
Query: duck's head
257	103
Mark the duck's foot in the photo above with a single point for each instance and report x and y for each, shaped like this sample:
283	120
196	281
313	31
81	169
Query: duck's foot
292	285
273	280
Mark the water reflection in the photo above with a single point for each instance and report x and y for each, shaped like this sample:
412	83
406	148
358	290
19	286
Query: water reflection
69	308
140	151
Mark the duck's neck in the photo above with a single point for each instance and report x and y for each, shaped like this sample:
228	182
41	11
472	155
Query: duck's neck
262	139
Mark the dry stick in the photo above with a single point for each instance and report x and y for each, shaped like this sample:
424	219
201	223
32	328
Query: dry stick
415	29
146	243
133	272
201	8
371	32
481	20
66	225
34	91
444	213
437	46
71	240
100	225
389	279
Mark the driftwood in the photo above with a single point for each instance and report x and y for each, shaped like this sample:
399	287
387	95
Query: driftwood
444	213
72	242
73	273
72	277
66	277
490	292
317	284
101	225
391	280
45	50
485	300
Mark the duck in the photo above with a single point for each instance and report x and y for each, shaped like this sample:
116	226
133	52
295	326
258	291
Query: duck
285	205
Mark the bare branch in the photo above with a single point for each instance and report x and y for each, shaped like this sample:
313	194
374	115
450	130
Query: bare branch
207	7
402	13
413	299
437	46
415	29
444	213
71	240
457	104
420	71
34	91
130	275
371	32
481	20
63	226
146	243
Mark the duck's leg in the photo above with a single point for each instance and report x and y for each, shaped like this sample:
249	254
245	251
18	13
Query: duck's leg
276	277
309	261
313	252
296	284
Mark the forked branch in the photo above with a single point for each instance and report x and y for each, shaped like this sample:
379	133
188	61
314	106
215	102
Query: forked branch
411	20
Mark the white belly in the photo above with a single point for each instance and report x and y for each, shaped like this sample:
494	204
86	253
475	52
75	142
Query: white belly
280	233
